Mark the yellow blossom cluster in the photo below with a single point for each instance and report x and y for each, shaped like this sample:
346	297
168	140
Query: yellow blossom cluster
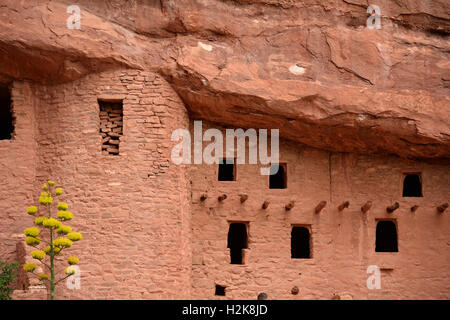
64	230
29	267
32	241
62	242
51	223
72	260
70	270
40	220
62	206
31	210
56	250
58	191
43	276
38	254
65	215
31	232
75	236
45	198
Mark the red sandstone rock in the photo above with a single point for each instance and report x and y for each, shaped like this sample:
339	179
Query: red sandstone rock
357	90
307	67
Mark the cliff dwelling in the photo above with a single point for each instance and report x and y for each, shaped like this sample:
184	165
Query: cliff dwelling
362	114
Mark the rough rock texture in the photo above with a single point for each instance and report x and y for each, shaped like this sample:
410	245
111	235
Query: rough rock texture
310	67
357	109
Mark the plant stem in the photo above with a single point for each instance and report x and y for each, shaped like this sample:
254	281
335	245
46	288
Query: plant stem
52	256
52	267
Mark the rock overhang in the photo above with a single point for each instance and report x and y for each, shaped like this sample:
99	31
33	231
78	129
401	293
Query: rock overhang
323	81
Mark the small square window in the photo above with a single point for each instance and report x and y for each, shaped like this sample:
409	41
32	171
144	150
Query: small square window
220	290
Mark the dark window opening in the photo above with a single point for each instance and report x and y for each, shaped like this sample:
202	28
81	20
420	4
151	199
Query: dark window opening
220	290
227	170
111	126
237	240
300	243
278	180
412	186
6	116
386	237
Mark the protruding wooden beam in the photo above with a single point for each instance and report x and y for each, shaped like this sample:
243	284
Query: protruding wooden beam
320	206
203	197
265	204
295	290
289	206
344	205
262	296
393	207
244	198
366	206
222	197
442	207
414	208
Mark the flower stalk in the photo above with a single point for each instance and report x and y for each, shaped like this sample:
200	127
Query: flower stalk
54	246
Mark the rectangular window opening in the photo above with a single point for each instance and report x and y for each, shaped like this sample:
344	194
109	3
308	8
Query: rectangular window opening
386	236
278	176
237	240
220	290
412	185
227	169
6	114
111	125
300	242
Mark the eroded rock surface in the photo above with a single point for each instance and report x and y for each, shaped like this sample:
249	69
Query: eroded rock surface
310	68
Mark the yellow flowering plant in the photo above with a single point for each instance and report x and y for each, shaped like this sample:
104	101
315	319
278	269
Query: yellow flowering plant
40	220
43	276
64	230
65	215
29	267
45	233
32	210
72	260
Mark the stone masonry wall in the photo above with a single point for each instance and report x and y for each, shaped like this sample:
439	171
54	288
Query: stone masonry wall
147	235
17	169
111	126
132	208
343	243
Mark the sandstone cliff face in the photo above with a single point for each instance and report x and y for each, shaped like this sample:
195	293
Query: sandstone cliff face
310	68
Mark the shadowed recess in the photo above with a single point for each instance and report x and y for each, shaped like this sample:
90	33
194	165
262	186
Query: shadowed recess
6	117
227	170
412	186
386	237
300	243
279	179
237	240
